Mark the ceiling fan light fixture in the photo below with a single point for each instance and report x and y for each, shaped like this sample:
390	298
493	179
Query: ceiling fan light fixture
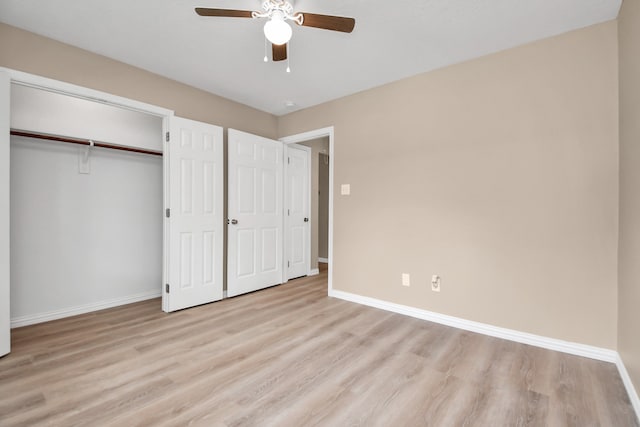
277	31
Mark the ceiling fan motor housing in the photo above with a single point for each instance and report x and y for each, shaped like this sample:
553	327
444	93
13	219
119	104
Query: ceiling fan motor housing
278	8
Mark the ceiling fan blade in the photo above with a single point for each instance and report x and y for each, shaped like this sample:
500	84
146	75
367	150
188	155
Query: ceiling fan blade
327	22
226	13
279	52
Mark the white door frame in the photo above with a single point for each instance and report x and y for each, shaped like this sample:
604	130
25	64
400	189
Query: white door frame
5	247
315	134
285	228
51	85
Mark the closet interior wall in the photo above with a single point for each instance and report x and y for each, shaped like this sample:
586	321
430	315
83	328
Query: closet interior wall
82	241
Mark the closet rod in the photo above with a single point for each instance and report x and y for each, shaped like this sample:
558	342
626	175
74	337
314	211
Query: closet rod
79	141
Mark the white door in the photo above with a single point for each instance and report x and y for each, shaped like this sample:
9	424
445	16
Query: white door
5	316
297	218
255	217
194	223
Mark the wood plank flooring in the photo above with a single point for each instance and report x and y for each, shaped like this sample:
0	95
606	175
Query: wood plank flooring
291	356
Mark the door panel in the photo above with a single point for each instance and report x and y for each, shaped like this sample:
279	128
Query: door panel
298	210
270	247
195	226
255	205
5	316
246	251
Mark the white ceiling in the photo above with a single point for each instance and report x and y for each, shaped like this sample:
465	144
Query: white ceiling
392	39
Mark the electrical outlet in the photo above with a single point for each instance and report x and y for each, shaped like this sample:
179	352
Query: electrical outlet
406	279
435	283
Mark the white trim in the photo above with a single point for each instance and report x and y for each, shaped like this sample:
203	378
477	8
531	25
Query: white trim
31	319
57	86
628	384
306	136
5	215
166	223
485	329
314	272
324	260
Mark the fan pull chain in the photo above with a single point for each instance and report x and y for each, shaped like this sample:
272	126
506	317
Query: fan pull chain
288	56
265	51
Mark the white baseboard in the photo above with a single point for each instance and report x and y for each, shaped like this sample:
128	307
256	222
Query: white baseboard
32	319
631	390
485	329
577	349
313	272
324	260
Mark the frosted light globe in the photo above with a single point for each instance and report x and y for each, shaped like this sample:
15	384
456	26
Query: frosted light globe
277	31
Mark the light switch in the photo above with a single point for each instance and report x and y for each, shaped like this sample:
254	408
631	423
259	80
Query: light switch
345	189
406	279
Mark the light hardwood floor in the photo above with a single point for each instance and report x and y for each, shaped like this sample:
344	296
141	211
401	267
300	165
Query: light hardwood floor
291	356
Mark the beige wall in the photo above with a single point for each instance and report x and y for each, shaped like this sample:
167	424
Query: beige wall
629	249
498	174
317	146
25	51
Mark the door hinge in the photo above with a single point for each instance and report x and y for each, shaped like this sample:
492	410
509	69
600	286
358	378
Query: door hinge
167	213
166	288
288	212
167	137
289	160
288	264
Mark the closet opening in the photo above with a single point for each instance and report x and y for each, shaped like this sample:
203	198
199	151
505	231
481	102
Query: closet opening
86	205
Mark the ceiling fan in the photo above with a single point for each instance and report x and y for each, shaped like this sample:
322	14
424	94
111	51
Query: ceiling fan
276	30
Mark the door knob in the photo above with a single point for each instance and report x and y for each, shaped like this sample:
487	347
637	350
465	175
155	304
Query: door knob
306	220
234	221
